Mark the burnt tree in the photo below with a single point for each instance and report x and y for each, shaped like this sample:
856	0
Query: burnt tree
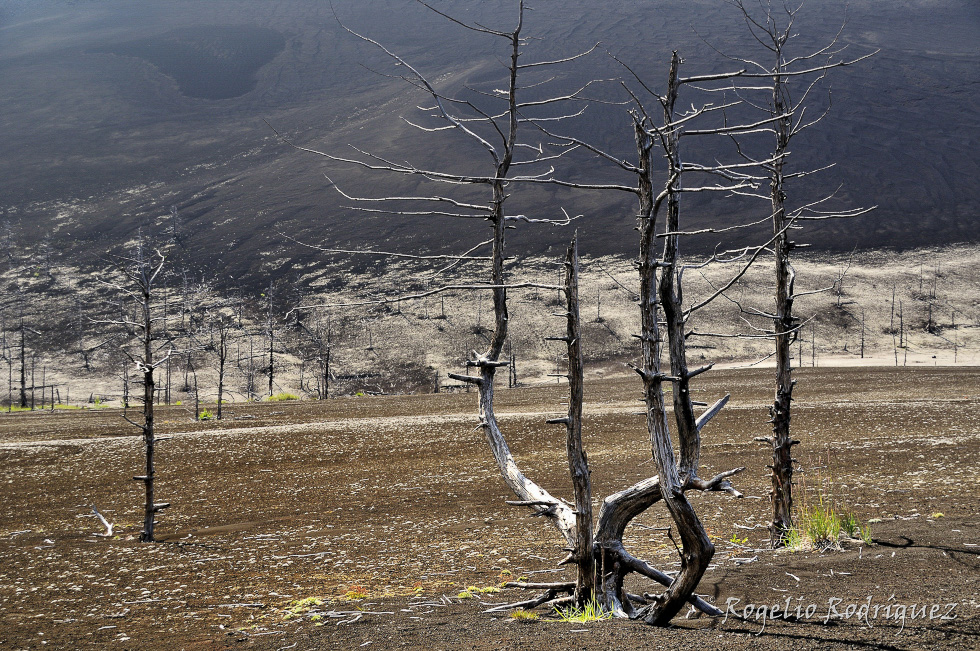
790	81
139	275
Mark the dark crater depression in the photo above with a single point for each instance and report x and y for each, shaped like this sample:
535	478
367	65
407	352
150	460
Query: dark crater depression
208	62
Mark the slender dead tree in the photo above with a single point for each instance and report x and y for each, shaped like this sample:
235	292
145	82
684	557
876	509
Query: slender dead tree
221	332
495	131
139	274
583	549
318	351
791	80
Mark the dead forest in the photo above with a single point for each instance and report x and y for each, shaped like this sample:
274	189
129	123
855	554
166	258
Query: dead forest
144	326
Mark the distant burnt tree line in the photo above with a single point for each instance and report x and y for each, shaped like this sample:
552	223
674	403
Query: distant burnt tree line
65	329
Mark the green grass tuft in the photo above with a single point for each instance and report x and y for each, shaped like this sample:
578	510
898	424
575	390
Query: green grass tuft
590	612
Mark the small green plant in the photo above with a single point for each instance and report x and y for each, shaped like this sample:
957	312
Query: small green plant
522	615
735	540
300	607
590	612
865	534
817	526
795	540
820	524
472	591
849	525
282	397
205	415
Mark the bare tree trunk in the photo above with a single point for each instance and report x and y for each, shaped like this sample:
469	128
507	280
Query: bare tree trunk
697	548
149	441
141	273
773	27
23	359
578	465
272	341
222	359
784	323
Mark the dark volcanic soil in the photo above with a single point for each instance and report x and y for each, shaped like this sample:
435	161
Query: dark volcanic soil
386	508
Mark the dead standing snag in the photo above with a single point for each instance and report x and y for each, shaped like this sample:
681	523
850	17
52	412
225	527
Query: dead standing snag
138	285
494	128
773	28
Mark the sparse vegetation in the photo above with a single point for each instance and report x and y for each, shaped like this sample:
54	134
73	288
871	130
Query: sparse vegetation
821	524
472	591
300	607
590	612
282	397
355	593
340	520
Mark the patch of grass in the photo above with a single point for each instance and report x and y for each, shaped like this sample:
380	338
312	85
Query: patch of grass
472	591
590	612
850	525
300	607
205	415
282	397
47	407
864	533
735	540
16	408
820	525
522	615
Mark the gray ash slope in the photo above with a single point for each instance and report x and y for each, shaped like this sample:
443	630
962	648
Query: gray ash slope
101	135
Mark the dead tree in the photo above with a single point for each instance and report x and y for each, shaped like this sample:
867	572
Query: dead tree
139	274
270	334
220	339
318	351
495	130
597	552
583	550
663	313
790	81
